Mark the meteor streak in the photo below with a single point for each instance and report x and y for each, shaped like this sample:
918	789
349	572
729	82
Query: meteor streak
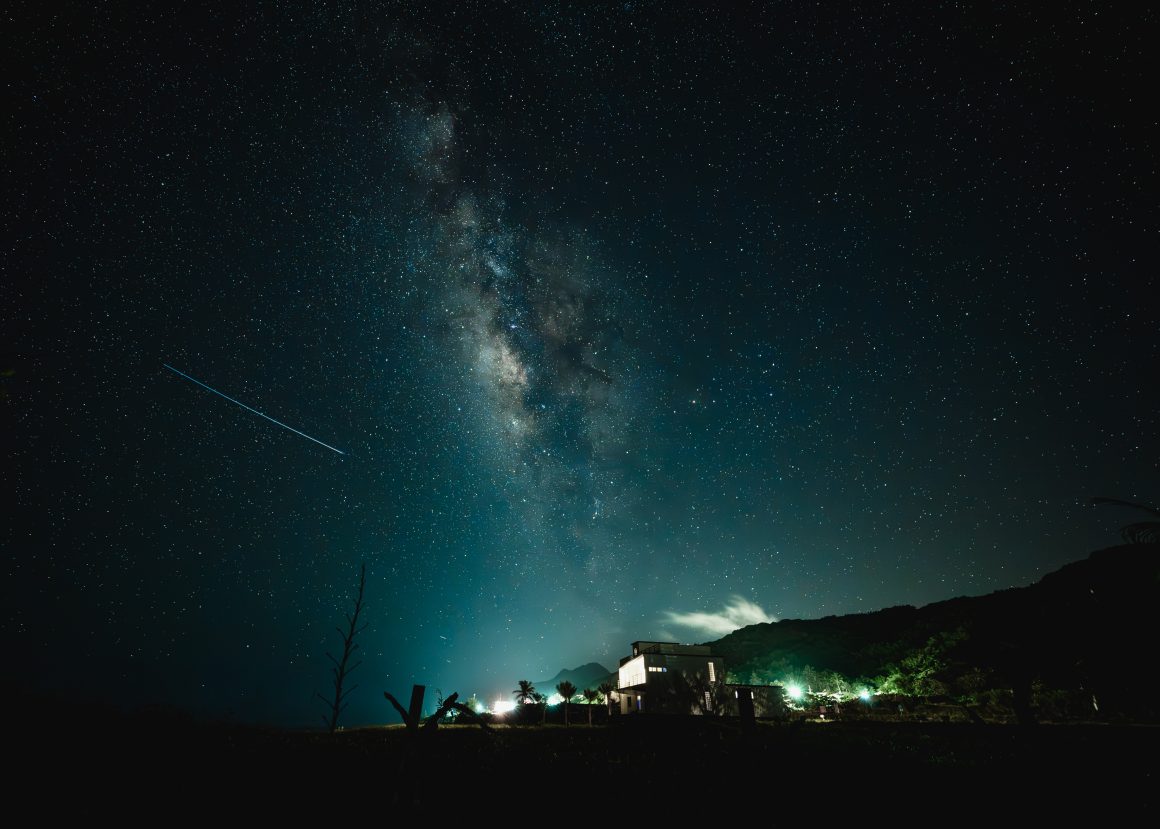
249	409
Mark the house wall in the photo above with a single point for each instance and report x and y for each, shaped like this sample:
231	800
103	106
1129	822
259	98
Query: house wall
630	702
670	683
667	677
768	701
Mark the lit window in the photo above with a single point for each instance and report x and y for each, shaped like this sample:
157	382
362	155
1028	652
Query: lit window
708	700
712	672
632	673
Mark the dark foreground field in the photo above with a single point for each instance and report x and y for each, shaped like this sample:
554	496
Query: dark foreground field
885	772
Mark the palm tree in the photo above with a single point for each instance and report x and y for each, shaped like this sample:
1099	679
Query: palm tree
1142	532
542	701
525	693
591	695
567	690
606	688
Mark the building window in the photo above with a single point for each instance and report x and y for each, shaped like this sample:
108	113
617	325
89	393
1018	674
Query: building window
632	673
708	701
712	672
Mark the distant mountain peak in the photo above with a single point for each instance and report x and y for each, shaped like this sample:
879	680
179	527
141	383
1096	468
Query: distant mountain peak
588	675
587	667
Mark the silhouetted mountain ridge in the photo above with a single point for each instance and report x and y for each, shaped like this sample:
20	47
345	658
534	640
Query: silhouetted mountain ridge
589	675
1089	625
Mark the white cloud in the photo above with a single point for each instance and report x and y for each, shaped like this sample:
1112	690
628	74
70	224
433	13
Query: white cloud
737	613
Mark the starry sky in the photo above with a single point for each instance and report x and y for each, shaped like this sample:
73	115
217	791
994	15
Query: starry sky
633	320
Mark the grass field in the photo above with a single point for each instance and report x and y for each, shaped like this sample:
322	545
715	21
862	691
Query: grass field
876	770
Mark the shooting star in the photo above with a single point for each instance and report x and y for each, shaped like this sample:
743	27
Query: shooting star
249	409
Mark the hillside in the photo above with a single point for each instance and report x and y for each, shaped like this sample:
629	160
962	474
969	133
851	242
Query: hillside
1084	628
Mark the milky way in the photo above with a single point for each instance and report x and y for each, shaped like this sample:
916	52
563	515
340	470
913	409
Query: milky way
534	319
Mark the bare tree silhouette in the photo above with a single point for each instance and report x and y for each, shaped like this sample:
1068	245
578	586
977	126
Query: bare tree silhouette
342	668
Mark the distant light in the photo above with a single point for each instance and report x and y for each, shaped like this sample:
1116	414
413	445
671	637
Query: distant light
864	695
794	691
555	699
502	706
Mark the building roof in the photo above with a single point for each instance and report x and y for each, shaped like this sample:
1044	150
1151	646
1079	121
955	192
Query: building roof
673	648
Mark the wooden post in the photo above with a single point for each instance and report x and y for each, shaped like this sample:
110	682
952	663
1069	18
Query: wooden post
745	709
415	714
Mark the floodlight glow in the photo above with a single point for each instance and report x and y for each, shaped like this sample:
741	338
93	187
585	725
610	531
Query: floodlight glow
502	706
555	699
864	695
794	691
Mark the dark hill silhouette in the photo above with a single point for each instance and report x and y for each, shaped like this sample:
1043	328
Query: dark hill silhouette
585	676
1090	626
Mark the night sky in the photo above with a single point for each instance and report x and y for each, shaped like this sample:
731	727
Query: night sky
634	321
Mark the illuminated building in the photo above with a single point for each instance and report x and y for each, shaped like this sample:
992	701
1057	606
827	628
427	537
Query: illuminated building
670	677
666	677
